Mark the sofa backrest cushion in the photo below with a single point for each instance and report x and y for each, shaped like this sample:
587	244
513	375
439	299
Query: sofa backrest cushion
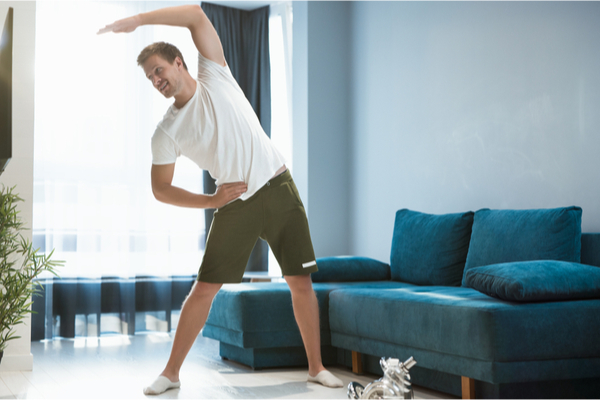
540	280
501	236
350	269
590	249
430	249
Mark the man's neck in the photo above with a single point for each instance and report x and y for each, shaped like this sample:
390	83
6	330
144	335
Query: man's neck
189	88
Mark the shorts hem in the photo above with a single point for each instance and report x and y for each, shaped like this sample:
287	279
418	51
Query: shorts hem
307	271
199	279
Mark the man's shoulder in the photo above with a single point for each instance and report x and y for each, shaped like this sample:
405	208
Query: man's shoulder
159	134
213	73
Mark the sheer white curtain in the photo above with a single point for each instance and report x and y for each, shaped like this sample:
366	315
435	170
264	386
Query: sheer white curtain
95	114
280	49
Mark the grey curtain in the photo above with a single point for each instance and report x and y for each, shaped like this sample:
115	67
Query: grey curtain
245	39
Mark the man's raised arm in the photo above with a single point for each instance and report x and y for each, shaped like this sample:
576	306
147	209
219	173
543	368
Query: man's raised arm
189	16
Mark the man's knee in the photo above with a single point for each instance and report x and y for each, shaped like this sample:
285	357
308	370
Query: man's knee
204	291
300	284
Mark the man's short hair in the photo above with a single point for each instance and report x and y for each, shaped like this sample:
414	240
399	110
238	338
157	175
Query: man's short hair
165	50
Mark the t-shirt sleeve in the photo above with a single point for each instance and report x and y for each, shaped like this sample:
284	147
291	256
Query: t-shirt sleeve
209	70
164	149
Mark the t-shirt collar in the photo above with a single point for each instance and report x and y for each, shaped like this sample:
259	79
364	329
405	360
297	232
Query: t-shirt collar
174	110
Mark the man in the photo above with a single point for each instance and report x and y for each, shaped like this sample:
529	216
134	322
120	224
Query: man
212	123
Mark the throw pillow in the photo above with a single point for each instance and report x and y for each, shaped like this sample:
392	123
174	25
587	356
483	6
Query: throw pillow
349	269
430	249
544	280
501	236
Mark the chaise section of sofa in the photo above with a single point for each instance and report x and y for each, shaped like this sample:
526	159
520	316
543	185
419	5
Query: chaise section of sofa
255	324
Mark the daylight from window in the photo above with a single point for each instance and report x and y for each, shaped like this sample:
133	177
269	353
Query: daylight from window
281	129
95	113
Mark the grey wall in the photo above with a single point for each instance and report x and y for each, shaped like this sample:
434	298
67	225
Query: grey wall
322	136
329	135
464	105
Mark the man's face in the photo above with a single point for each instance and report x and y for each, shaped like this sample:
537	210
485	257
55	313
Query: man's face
165	77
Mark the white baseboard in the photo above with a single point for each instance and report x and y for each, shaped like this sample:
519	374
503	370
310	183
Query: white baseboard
18	362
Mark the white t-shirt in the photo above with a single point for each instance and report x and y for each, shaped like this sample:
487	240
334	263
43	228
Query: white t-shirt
219	131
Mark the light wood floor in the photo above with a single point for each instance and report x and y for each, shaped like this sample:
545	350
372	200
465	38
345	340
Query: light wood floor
118	367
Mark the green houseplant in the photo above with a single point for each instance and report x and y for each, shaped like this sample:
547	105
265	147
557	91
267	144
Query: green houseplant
20	264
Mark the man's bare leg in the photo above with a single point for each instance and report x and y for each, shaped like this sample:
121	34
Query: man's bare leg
194	313
306	311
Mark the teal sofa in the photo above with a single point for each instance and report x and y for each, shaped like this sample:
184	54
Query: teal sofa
491	304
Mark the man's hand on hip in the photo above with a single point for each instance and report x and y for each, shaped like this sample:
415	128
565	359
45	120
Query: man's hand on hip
228	192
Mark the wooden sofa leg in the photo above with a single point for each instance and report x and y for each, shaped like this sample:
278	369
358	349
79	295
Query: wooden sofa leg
357	363
468	387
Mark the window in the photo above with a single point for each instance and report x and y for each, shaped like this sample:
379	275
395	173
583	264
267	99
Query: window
280	49
95	113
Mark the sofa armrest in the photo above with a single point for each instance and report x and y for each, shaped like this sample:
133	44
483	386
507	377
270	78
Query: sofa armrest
351	269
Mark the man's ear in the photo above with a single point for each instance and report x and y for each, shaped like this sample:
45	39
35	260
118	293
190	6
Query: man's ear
178	62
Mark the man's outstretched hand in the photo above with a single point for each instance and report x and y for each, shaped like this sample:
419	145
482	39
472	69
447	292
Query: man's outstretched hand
125	25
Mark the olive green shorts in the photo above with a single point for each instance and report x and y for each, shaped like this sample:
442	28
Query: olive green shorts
275	214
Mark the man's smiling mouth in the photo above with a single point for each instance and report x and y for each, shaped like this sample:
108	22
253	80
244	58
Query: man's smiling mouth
164	86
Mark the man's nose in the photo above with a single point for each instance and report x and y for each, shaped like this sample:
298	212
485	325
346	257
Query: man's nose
156	81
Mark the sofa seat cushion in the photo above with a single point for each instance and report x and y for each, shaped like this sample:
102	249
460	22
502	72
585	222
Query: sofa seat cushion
544	280
430	249
501	236
260	315
464	322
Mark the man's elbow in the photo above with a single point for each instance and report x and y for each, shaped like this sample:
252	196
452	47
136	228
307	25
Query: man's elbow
156	194
197	14
159	192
